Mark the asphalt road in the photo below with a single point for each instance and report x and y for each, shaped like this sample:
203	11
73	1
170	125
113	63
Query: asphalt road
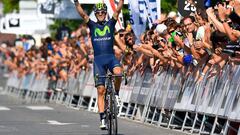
18	118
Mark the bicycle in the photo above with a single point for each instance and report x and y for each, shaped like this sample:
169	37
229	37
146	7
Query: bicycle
110	107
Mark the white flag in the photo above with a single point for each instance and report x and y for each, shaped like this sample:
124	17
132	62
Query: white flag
137	17
154	10
112	7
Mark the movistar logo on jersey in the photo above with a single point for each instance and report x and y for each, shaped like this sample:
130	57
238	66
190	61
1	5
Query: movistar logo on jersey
103	32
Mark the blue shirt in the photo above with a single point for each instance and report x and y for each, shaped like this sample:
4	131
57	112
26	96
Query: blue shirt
102	36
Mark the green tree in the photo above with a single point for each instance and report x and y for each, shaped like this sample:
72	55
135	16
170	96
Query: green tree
72	24
168	5
10	6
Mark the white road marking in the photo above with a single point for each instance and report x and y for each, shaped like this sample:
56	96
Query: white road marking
7	129
54	122
2	108
39	108
1	91
85	126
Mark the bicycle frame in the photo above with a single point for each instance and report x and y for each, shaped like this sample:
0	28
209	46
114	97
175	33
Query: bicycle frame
110	106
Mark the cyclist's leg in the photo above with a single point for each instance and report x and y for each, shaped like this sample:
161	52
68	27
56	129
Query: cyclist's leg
99	84
101	92
117	83
116	69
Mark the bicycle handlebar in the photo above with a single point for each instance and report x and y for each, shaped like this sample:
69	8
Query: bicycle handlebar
110	75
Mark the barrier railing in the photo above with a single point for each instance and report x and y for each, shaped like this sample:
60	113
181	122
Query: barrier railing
209	107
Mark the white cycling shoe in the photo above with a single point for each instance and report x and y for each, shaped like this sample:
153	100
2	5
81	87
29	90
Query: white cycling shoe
103	125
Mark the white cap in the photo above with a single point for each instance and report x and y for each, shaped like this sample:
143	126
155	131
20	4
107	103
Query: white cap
172	14
42	59
3	45
161	28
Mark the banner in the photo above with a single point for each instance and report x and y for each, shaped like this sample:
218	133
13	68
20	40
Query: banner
14	22
112	7
186	7
153	10
22	24
46	7
66	10
138	23
142	11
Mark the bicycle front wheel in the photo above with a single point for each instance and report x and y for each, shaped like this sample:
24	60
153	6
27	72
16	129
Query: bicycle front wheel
114	114
112	117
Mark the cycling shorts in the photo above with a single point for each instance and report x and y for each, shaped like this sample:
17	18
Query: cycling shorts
101	65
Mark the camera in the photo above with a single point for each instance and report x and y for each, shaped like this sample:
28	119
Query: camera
235	21
155	45
231	50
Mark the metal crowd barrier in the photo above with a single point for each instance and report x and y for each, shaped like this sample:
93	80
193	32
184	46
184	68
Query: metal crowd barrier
209	107
31	87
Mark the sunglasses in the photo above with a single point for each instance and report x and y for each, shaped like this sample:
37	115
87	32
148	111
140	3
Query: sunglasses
101	12
121	35
188	24
171	31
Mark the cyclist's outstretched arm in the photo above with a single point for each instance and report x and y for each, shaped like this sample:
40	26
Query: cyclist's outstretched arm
81	11
119	7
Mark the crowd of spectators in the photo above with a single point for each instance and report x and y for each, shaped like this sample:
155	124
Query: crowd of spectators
201	44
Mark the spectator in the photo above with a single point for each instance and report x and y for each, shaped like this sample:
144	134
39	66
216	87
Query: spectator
62	32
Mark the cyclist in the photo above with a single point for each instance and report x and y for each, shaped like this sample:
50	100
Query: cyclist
102	37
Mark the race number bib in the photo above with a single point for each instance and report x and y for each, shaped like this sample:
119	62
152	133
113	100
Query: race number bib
186	7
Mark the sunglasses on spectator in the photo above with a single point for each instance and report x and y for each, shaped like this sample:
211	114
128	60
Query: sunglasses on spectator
121	35
188	24
101	12
171	31
198	40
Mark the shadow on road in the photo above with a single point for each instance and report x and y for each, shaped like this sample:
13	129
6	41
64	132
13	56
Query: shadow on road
107	134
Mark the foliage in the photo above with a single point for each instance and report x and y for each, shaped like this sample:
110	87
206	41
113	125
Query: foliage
168	5
72	24
10	5
126	13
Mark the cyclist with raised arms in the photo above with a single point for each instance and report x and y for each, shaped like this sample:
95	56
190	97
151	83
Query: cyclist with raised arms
102	37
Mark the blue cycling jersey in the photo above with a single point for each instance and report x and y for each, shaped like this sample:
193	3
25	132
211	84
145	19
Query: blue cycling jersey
102	36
